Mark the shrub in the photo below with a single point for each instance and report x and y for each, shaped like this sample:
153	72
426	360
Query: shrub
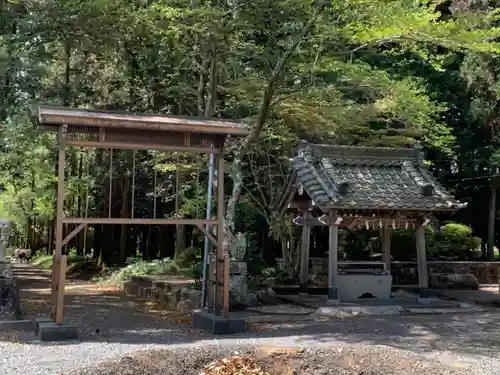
453	240
196	271
137	267
187	257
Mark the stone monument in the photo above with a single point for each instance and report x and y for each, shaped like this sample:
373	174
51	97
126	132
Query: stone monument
238	274
9	288
4	237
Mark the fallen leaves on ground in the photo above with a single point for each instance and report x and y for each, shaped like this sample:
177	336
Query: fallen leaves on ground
256	327
236	365
155	308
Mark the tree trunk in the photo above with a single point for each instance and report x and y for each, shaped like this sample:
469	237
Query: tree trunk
236	169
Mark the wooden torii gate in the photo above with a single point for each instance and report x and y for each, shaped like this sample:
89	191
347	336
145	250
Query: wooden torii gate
118	130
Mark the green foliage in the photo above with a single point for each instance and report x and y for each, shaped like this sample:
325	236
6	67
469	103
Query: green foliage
453	240
187	257
384	73
196	272
137	267
45	261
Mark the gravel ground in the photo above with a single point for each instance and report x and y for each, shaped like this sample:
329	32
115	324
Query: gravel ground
115	329
287	361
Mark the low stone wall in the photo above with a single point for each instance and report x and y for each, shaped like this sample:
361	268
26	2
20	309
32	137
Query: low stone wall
405	273
173	293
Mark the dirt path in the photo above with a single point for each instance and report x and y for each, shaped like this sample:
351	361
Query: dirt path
118	329
99	311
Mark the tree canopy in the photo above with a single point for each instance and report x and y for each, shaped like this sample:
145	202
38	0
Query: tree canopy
357	72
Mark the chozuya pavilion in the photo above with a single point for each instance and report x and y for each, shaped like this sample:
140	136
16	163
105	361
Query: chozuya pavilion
363	187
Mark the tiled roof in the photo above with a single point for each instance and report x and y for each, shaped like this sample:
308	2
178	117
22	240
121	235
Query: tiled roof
347	177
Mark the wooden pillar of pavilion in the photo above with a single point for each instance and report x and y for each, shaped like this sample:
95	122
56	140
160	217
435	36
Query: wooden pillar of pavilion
304	254
423	282
58	267
333	251
385	241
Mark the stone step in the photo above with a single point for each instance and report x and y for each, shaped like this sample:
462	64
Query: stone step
130	288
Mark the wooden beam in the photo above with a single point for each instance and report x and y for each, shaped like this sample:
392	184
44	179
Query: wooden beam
63	262
423	281
385	237
304	205
207	233
73	233
60	190
54	285
225	291
355	221
141	146
304	256
61	161
106	220
211	285
333	253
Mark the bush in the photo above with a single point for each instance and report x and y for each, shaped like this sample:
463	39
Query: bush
45	261
137	267
187	257
453	241
196	271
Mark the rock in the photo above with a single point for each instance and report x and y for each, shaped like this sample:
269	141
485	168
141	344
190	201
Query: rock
10	307
262	293
6	270
252	300
238	289
271	292
195	300
453	281
130	288
173	298
183	306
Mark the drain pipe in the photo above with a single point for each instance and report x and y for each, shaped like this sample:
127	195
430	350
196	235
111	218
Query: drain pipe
207	228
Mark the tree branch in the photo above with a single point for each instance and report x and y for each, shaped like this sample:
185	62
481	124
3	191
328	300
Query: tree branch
261	118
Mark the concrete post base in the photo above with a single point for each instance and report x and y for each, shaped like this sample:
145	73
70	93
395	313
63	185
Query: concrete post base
13	325
332	302
424	301
217	325
424	296
50	331
36	323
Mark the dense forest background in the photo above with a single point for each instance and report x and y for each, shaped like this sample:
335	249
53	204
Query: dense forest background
358	72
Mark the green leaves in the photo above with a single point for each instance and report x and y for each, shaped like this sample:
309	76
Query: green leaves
375	23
